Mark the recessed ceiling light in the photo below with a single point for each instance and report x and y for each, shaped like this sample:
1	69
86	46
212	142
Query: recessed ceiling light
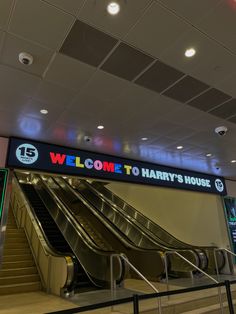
144	138
113	8
209	155
44	111
233	161
190	52
180	147
100	127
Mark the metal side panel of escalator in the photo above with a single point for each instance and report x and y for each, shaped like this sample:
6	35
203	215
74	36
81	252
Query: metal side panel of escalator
94	261
54	236
148	262
124	228
206	254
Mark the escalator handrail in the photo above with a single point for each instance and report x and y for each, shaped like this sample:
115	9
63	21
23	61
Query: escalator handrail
70	217
143	216
122	237
47	248
104	255
144	231
104	220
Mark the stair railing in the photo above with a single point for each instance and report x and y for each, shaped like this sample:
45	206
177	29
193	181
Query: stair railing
123	258
195	267
216	262
47	261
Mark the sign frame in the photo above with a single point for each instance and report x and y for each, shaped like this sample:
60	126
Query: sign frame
20	155
3	192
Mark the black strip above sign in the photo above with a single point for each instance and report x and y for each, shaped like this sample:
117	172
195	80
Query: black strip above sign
51	158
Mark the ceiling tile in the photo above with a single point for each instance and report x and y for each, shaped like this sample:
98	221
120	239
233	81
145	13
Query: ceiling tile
233	119
183	115
191	10
180	132
228	85
105	86
94	12
126	62
83	101
224	12
5	10
226	110
156	30
209	99
83	120
70	6
33	106
48	25
49	93
69	72
159	77
13	46
22	126
186	89
13	102
17	81
87	44
205	122
212	62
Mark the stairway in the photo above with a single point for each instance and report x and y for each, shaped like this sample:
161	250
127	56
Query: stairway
18	272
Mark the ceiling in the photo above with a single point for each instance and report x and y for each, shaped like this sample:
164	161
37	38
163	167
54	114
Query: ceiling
126	72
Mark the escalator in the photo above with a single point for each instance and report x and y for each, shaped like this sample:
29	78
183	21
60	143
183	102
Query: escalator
154	231
53	234
85	206
92	263
148	262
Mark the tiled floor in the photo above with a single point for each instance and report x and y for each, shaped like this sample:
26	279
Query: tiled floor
32	303
40	302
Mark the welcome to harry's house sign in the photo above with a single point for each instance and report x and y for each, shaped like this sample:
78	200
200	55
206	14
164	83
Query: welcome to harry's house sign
34	155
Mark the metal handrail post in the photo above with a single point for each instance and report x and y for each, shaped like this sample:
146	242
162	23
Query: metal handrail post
200	270
216	263
144	278
167	275
229	297
135	304
194	266
113	287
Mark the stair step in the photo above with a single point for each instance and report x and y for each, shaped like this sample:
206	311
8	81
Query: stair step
15	235
10	245
17	264
20	257
20	288
18	271
14	230
10	240
18	279
16	251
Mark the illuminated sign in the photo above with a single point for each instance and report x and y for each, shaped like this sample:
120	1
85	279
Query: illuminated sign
3	184
51	158
230	209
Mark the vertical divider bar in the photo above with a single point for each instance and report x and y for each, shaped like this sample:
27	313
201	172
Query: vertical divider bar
135	304
229	297
166	271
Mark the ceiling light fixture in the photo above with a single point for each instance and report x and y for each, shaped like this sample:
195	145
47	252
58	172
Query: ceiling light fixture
100	127
44	111
144	138
180	147
209	155
190	52
113	8
233	161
